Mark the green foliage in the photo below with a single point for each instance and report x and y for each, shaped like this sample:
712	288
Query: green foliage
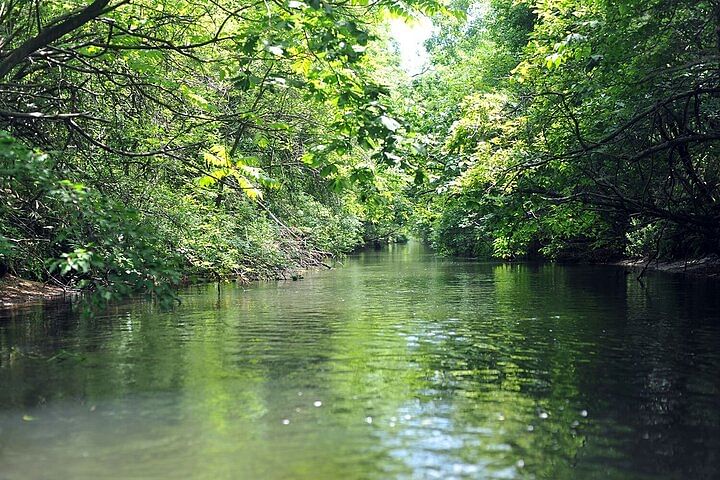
326	228
569	127
74	234
91	241
145	144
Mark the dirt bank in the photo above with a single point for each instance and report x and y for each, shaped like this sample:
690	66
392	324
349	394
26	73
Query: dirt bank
16	291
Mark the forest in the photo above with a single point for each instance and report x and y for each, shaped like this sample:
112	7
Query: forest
147	144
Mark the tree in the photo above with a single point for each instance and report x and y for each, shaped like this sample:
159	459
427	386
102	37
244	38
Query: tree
163	128
604	128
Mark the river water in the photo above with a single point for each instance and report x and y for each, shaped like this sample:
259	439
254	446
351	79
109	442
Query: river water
399	365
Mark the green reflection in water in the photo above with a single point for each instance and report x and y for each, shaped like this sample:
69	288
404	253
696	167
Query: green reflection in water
398	365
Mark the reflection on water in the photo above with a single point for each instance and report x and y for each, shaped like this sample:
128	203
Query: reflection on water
399	365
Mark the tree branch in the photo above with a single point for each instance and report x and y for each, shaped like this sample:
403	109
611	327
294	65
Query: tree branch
51	34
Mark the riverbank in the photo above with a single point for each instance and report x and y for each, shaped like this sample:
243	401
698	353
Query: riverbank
16	291
708	266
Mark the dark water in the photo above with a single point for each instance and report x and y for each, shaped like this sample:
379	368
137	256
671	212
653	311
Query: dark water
399	365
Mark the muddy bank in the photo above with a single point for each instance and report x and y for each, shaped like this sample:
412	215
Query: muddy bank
707	266
16	291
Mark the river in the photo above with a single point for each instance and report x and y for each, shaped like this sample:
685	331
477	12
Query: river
397	365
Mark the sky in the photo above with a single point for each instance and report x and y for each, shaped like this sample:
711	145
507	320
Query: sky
410	38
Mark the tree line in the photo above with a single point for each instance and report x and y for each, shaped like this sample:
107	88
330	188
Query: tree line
566	128
146	143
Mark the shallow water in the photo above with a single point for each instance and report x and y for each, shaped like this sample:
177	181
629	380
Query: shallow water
398	365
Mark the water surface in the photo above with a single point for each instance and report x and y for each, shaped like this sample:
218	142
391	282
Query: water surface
398	365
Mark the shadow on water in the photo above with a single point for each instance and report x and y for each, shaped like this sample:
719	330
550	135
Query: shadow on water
397	365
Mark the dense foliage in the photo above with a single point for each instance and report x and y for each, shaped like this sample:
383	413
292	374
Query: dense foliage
149	142
146	143
573	127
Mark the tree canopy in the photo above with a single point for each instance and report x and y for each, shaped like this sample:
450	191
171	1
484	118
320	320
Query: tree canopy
147	143
563	126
